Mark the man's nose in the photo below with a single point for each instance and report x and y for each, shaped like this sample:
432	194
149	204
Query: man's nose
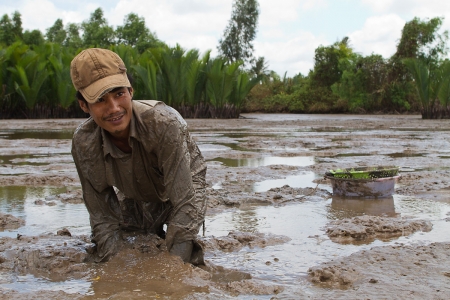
112	104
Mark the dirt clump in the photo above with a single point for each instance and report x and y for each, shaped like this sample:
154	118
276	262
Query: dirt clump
47	256
8	221
235	241
368	228
367	274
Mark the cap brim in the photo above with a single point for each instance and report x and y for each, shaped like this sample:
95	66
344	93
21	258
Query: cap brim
96	89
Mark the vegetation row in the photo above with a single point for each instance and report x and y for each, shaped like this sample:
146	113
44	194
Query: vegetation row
35	78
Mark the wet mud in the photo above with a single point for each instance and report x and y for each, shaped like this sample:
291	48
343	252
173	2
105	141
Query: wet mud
365	229
274	229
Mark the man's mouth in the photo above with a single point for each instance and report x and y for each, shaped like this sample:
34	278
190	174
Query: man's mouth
115	117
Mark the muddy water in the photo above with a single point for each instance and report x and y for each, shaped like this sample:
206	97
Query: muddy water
265	176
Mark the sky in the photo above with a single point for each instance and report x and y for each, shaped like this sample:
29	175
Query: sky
288	30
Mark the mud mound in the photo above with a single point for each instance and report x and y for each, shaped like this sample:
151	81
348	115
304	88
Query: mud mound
369	228
53	257
10	222
386	273
235	241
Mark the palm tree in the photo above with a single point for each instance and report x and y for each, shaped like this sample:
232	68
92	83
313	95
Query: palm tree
219	87
60	64
432	86
29	74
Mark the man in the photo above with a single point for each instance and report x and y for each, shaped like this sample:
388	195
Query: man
138	165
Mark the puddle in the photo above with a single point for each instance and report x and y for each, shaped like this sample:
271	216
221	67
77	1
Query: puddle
303	223
51	216
225	146
284	264
302	180
341	208
300	161
36	159
29	283
41	134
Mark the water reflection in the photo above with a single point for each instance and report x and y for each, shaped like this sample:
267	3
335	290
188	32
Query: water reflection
302	180
29	283
300	161
304	223
32	134
36	134
35	159
349	207
52	215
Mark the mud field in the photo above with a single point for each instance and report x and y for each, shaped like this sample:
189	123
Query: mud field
274	229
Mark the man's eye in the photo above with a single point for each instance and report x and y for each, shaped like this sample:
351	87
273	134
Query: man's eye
120	94
100	100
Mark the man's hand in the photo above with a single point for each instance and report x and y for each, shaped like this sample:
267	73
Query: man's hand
183	250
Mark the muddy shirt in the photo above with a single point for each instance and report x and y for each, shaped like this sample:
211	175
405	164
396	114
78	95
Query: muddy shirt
161	182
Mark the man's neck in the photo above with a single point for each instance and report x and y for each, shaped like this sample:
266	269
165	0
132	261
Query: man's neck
121	143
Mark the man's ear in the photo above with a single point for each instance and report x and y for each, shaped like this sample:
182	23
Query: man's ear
83	105
130	89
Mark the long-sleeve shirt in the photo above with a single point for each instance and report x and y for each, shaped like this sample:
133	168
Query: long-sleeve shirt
164	175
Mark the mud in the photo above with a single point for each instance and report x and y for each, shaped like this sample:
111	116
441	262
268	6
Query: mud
365	229
10	222
273	230
396	272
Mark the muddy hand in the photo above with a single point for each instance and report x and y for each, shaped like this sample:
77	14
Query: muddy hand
183	250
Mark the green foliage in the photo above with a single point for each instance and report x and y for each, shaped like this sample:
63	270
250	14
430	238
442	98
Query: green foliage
34	71
33	38
17	25
444	89
6	31
221	77
242	86
134	33
56	33
432	85
236	44
60	64
29	74
361	83
146	78
73	38
420	39
96	31
326	63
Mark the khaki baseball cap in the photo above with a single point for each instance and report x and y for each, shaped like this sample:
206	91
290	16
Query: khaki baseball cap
95	70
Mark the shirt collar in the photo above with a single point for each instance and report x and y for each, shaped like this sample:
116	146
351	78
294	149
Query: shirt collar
108	146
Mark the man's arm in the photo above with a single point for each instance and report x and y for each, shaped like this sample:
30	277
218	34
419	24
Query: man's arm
102	208
184	190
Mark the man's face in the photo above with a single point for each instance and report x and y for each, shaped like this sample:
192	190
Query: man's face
112	112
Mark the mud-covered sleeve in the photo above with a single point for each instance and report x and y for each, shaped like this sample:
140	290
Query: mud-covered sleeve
185	193
103	219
